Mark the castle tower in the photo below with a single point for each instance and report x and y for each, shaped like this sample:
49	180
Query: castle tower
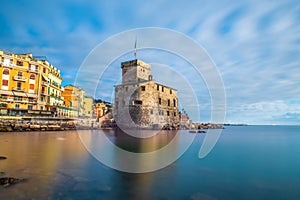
135	71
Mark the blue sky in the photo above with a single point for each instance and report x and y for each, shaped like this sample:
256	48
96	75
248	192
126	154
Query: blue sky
254	44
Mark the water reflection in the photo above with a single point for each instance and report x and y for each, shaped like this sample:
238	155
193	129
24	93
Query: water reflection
130	154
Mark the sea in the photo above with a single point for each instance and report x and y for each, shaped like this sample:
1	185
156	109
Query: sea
247	162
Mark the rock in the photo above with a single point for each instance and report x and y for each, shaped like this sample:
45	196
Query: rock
3	158
8	181
2	173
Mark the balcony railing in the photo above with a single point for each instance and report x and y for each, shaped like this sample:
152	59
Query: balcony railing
44	93
6	99
45	83
20	78
34	70
19	89
32	101
10	65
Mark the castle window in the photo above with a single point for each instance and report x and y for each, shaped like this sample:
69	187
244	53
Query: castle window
174	102
159	101
151	111
170	91
158	87
143	88
162	89
137	102
168	113
169	102
174	114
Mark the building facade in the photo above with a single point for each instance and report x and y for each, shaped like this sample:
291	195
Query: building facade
100	109
141	102
74	99
88	107
21	83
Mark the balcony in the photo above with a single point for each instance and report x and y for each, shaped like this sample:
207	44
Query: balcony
33	70
32	101
10	65
20	78
6	99
20	100
19	89
44	83
44	93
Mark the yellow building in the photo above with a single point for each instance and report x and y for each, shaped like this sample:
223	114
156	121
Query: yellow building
19	86
74	99
26	84
88	107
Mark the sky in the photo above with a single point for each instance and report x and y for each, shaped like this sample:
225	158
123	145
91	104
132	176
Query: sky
255	46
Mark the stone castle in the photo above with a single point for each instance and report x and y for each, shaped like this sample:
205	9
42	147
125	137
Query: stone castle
143	103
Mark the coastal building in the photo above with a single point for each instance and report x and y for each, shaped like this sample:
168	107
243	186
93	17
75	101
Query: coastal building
55	100
100	109
88	107
142	102
73	98
20	85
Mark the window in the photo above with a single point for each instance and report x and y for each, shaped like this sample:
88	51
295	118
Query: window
19	85
169	102
170	91
5	82
20	73
151	112
29	107
159	101
44	70
31	86
6	72
168	113
174	114
32	76
137	102
17	105
19	63
143	88
174	102
42	107
157	87
162	88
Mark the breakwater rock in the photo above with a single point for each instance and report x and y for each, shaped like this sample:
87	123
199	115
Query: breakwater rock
45	124
8	181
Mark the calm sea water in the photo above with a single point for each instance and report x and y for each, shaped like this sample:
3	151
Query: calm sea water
249	162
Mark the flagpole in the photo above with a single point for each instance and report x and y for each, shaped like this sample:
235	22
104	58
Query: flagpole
135	47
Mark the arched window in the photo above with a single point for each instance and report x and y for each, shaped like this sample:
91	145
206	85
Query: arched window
32	76
6	71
